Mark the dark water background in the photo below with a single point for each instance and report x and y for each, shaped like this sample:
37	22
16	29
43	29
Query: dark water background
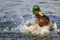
14	13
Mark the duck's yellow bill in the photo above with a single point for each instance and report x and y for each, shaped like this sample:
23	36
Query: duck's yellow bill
40	13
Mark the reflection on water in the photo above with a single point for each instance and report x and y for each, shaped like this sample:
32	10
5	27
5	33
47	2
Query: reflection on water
14	13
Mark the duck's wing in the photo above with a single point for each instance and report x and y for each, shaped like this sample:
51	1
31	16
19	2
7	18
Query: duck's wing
54	26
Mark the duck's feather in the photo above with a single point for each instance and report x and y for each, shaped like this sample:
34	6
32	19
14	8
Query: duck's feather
34	28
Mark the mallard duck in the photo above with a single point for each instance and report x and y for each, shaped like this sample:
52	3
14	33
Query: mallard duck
43	25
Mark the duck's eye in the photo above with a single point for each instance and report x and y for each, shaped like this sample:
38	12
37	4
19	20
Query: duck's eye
36	9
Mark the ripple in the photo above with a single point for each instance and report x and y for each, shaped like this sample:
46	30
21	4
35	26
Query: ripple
42	2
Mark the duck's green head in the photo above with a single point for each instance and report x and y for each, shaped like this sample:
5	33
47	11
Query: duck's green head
36	10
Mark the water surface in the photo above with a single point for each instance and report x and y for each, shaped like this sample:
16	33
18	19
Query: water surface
14	13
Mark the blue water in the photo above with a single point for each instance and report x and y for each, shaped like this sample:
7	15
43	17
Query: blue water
14	13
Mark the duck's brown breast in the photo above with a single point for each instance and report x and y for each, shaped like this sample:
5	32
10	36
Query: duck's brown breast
43	21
